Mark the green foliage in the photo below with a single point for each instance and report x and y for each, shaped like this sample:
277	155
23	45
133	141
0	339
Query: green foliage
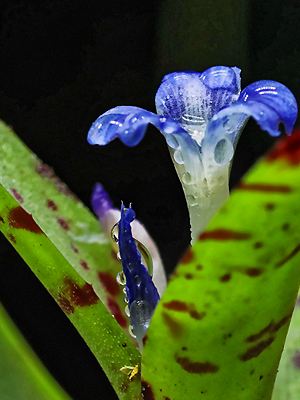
64	247
287	384
220	327
22	375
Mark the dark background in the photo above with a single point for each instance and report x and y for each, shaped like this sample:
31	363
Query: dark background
65	62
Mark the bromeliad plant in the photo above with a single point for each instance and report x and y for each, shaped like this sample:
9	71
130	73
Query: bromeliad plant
219	329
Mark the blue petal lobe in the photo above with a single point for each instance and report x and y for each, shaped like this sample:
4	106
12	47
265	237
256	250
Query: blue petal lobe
129	124
269	103
100	201
141	292
192	98
277	98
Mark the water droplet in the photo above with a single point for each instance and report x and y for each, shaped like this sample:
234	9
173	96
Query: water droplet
119	256
121	278
186	178
127	312
172	142
178	157
130	330
192	200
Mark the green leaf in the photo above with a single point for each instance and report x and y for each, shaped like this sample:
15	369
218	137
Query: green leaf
287	384
22	375
220	327
64	247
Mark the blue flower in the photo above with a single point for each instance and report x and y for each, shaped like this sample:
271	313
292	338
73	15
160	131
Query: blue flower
143	286
141	292
201	116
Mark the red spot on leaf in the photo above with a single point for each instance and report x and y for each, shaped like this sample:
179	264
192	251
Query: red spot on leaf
287	149
225	278
52	205
18	218
264	187
47	172
174	326
116	312
12	238
253	272
270	206
256	350
110	283
17	195
188	276
258	245
289	256
80	296
271	328
147	392
65	304
63	223
74	248
196	367
187	257
180	306
84	265
224	234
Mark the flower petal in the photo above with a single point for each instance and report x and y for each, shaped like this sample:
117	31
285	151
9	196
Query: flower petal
192	98
269	103
129	124
141	292
276	97
109	216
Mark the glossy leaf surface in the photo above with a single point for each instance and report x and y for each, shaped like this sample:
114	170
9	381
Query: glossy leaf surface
63	245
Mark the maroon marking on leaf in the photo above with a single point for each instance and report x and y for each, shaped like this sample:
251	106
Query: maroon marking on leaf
253	272
180	306
166	398
63	223
116	312
145	339
12	238
18	218
84	265
110	283
272	327
17	195
176	305
296	359
270	206
264	187
65	304
256	350
188	276
199	267
47	172
74	248
288	257
287	149
258	245
80	296
225	278
175	327
52	205
114	255
224	234
196	367
187	257
147	391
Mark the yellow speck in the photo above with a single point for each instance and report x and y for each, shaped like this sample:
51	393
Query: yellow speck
130	371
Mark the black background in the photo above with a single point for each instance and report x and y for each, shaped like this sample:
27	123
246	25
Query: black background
62	63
